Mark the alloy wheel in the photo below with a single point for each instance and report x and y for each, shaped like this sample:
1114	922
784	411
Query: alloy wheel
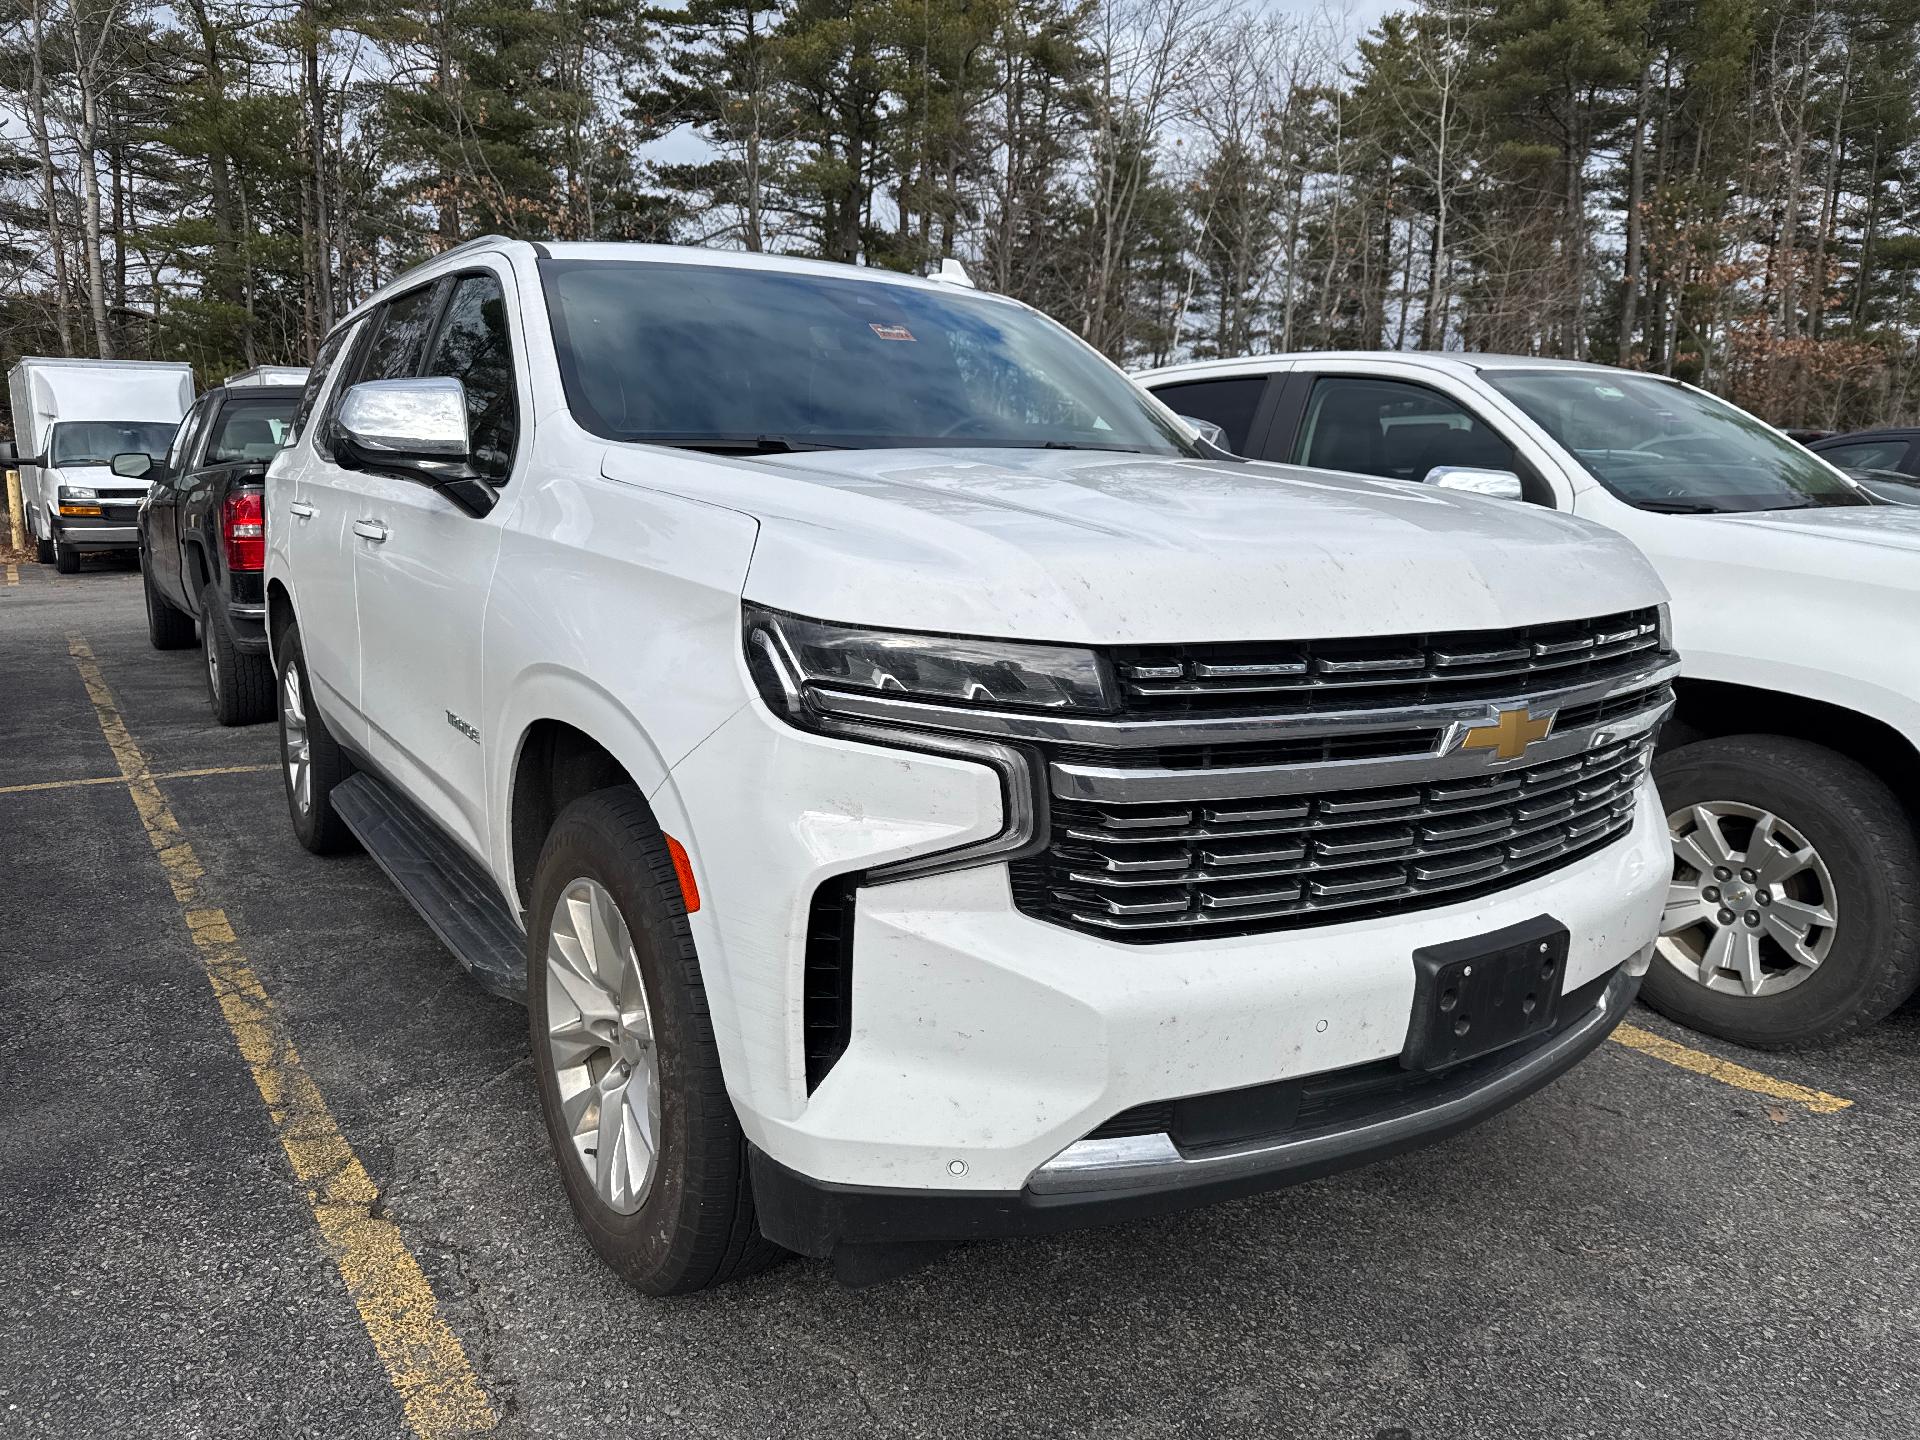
213	657
1751	909
295	746
600	1036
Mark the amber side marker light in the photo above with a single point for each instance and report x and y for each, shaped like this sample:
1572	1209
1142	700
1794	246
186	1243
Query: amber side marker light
683	872
66	509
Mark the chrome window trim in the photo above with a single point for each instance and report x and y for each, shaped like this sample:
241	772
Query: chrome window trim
1234	729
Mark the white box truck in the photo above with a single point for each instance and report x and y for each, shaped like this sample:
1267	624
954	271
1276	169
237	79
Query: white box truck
70	418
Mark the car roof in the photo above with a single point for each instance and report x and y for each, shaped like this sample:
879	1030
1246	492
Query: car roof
1445	361
244	390
637	253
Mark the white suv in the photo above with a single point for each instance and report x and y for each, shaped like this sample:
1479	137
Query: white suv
1790	771
919	790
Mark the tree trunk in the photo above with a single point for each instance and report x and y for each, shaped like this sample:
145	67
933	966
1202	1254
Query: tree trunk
1636	194
49	195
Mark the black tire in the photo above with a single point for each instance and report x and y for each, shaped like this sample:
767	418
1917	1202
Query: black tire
1866	839
317	825
168	626
696	1227
43	550
239	684
66	559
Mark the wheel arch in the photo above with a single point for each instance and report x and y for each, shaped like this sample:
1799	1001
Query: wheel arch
279	615
571	738
1708	709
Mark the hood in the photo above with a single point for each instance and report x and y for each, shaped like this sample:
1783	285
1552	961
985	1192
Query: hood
1095	547
1894	527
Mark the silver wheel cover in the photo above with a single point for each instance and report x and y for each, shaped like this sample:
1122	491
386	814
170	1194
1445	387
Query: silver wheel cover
294	746
1751	909
600	1036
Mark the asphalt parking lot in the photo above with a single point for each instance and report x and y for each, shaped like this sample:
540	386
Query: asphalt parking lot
1663	1243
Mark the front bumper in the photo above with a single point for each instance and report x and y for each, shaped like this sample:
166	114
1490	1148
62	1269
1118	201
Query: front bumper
1104	1181
983	1041
86	533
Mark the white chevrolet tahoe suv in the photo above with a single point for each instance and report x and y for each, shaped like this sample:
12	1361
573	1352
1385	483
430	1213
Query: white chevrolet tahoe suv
1790	771
921	791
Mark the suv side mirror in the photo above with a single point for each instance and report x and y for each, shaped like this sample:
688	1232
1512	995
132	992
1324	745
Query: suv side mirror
1501	484
132	464
416	429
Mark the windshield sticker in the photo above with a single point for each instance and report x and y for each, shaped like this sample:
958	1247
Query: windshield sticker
1609	392
892	332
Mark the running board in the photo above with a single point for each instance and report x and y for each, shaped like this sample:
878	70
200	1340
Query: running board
452	893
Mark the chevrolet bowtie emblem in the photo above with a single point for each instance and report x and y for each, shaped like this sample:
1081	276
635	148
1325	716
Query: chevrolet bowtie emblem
1510	734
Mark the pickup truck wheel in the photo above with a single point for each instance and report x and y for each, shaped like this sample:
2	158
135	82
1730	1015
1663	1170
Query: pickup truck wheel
43	550
66	559
168	627
239	685
648	1147
1793	917
311	763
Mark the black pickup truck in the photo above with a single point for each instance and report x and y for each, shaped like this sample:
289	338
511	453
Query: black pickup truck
203	540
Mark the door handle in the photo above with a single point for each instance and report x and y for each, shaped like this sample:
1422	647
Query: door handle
303	510
370	530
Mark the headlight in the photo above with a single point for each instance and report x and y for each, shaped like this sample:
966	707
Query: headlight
940	669
78	492
915	691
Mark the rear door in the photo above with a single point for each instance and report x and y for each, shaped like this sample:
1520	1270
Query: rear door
423	568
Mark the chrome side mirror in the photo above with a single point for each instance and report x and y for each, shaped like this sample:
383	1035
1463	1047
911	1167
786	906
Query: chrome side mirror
416	429
1501	484
1209	432
131	464
398	423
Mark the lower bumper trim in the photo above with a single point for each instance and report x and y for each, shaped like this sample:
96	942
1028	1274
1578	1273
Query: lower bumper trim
1098	1182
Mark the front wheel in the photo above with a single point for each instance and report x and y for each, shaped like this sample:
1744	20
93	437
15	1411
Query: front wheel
66	559
649	1149
1793	917
43	550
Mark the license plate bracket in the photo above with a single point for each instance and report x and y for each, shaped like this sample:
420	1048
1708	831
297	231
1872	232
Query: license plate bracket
1474	996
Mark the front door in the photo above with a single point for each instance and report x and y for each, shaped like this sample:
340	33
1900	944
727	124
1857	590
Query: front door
423	567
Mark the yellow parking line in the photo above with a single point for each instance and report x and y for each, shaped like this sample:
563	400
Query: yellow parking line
13	573
121	779
1726	1072
424	1359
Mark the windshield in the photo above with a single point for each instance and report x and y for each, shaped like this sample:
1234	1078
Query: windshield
1661	446
730	358
250	430
96	442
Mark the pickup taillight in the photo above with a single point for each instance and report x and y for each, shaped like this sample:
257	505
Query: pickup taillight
243	530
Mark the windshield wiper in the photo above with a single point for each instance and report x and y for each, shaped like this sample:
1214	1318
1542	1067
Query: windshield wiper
1681	507
738	444
1080	445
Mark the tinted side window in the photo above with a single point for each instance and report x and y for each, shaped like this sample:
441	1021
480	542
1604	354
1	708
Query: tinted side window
183	437
474	347
399	336
1229	403
1393	429
1865	454
317	379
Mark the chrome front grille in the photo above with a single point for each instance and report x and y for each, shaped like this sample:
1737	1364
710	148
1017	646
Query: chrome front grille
1295	676
1161	871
